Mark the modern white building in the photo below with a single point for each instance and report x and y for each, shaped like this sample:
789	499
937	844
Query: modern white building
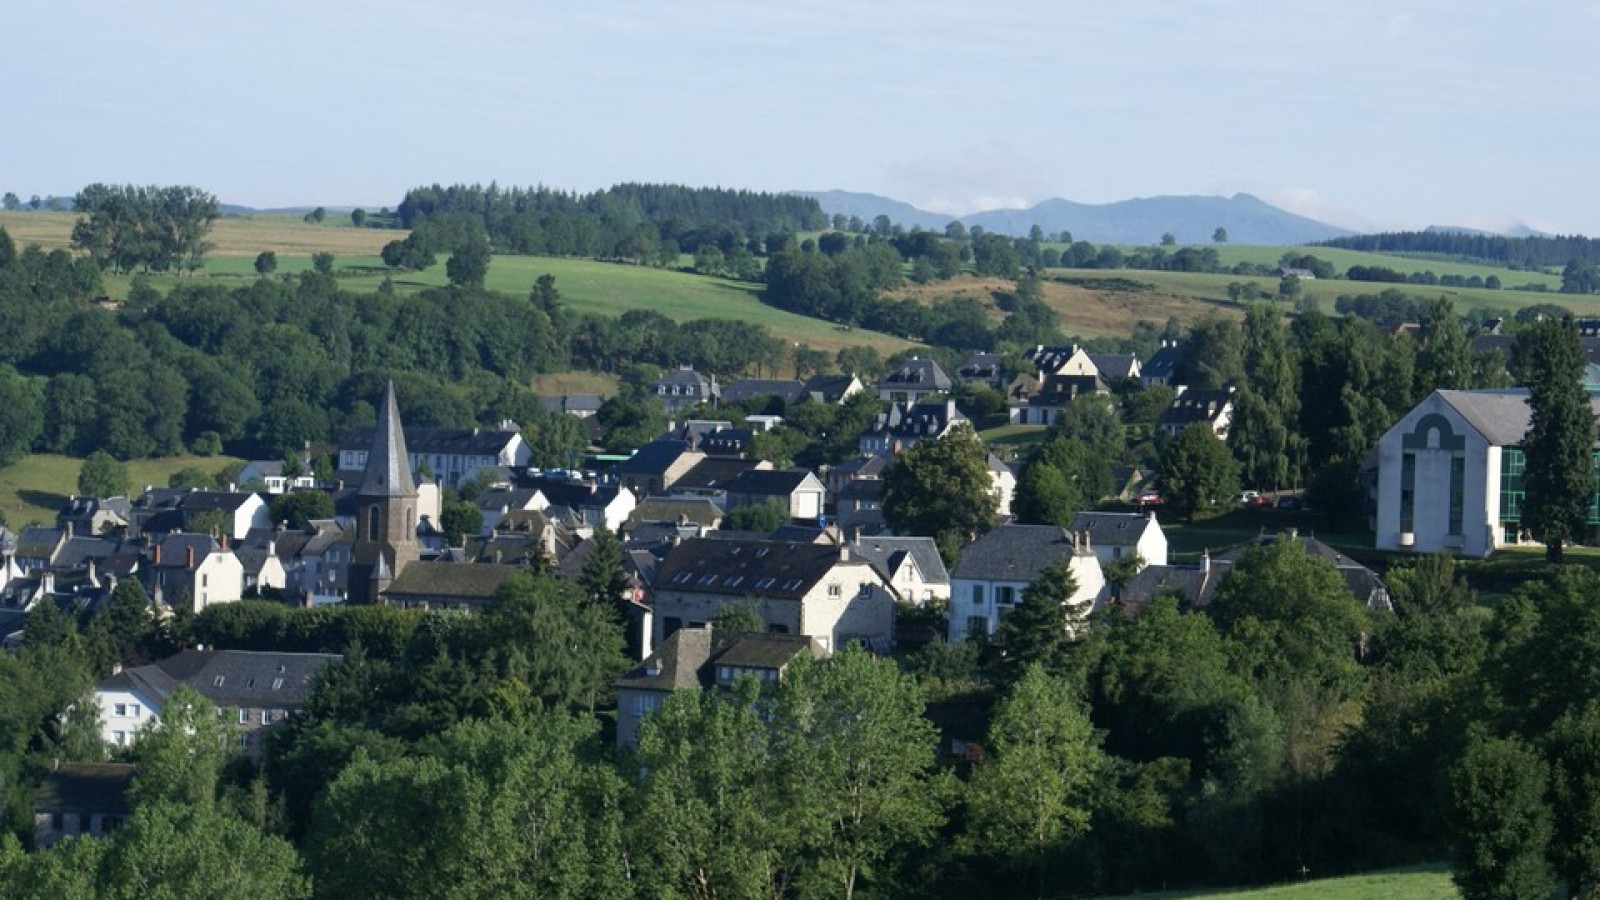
1450	474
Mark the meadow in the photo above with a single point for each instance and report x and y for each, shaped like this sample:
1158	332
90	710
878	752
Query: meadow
35	488
1416	883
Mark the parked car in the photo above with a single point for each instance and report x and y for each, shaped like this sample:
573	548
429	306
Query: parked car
1249	498
1291	502
1149	498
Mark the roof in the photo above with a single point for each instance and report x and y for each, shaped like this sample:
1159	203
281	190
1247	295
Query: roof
228	678
689	657
174	549
830	388
1197	584
918	373
1115	365
574	403
887	553
477	581
39	541
653	458
1114	529
713	473
215	501
982	365
1194	584
1060	390
1507	345
77	787
1165	361
1196	405
771	483
575	494
1013	553
871	466
672	509
789	390
1502	417
919	420
388	471
746	568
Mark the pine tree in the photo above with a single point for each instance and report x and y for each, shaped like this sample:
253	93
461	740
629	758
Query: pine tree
1559	446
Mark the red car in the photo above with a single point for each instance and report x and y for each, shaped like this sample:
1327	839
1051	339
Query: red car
1149	498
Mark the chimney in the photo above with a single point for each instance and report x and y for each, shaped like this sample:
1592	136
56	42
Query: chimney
189	556
844	553
155	554
69	529
222	541
1205	560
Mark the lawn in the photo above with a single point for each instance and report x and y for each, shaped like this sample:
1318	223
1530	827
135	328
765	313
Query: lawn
33	490
1416	883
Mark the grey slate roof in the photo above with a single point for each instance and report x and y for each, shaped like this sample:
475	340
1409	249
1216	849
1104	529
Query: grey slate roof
713	474
1013	553
670	509
473	582
745	568
788	390
1113	529
1196	405
1114	365
887	553
653	458
689	657
769	482
77	787
917	374
230	678
214	501
828	388
1163	363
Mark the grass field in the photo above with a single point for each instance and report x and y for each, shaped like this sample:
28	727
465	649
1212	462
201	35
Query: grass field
35	489
1418	883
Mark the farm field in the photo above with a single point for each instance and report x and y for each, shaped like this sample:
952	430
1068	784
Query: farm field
34	489
1416	883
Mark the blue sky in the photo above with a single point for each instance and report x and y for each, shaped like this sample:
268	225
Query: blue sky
1361	113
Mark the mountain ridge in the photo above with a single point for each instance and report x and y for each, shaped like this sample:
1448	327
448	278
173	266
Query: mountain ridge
1191	219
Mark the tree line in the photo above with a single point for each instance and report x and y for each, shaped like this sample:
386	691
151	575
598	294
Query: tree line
1533	253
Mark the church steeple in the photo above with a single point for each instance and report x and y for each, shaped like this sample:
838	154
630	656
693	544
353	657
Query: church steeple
386	510
388	472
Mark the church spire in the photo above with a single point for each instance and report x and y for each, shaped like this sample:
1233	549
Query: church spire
388	472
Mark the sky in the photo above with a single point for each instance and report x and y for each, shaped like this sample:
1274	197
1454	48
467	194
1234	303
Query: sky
1367	114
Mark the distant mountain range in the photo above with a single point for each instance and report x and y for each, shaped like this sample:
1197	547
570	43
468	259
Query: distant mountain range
1192	220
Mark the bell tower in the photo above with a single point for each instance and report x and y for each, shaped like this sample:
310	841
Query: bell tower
386	510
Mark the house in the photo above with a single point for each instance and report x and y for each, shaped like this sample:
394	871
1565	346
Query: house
697	511
1115	368
653	469
693	659
523	538
683	387
1072	361
591	502
983	368
1002	484
817	590
1195	585
911	565
80	800
581	405
1450	474
711	476
905	425
915	380
872	466
1054	395
237	511
192	569
260	689
1213	407
858	507
832	389
270	474
1163	365
800	492
37	547
451	455
998	567
94	516
444	585
1114	536
745	390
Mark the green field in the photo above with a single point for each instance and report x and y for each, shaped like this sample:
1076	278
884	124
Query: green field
1419	883
34	490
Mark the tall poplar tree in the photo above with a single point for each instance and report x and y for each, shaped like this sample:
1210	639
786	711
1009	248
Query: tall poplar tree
1559	446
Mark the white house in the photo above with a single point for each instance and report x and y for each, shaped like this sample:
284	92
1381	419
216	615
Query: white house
997	568
256	690
1114	536
818	590
1450	474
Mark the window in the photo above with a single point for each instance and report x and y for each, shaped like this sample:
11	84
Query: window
977	595
1005	594
977	627
865	590
835	590
277	684
791	584
244	717
765	583
708	578
733	581
133	710
217	682
120	738
205	580
266	717
1458	479
120	709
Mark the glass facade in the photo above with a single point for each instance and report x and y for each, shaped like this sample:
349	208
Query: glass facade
1512	487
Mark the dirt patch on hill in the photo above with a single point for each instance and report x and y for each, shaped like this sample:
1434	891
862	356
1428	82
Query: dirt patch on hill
1091	307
